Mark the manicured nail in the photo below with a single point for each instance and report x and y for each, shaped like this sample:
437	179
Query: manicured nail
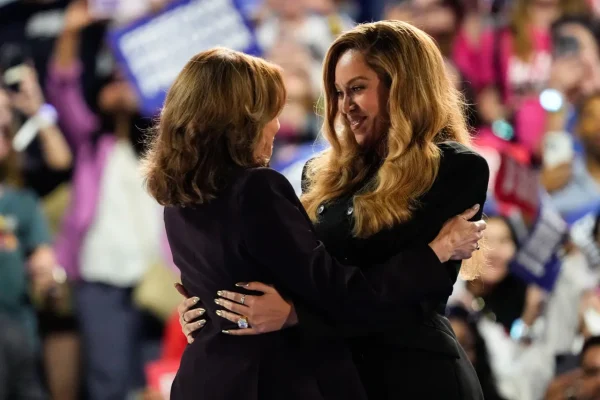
219	313
196	299
220	293
241	284
476	207
201	322
218	301
201	311
225	332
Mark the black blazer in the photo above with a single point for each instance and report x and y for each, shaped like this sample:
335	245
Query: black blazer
418	356
257	230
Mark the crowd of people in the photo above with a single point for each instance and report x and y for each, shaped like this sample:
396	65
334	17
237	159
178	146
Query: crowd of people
86	277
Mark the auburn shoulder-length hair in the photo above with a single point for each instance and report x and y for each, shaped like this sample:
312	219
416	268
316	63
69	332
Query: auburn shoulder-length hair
424	110
212	121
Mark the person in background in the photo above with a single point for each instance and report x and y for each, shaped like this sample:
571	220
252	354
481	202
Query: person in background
28	267
465	327
582	383
111	234
575	75
580	189
515	65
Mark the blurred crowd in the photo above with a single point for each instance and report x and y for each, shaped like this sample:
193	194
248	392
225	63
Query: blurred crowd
87	306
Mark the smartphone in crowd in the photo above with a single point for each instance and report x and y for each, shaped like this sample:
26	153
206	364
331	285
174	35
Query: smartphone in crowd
565	46
558	149
13	60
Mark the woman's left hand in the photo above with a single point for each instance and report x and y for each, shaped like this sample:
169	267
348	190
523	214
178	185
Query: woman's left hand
266	313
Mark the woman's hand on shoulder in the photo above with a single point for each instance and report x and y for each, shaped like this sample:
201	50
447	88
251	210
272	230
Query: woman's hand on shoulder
268	312
459	237
189	317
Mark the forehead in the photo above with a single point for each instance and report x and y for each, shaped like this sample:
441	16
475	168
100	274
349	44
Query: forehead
350	65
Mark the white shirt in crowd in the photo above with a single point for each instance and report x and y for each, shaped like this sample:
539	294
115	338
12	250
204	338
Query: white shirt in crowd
124	239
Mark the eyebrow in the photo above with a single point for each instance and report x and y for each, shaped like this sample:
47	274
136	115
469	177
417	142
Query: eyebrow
356	78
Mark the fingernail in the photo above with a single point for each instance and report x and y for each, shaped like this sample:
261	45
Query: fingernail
241	284
219	313
190	341
201	311
476	207
201	322
196	299
225	332
218	301
220	293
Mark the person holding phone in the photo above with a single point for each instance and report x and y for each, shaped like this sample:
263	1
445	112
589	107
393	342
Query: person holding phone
575	74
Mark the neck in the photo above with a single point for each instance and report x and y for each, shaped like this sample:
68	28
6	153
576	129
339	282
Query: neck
122	126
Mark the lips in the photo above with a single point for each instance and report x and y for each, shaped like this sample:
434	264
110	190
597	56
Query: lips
355	122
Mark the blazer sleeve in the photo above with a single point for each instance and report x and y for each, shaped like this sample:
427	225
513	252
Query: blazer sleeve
277	234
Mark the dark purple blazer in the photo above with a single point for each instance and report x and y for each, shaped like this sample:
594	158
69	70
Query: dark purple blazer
257	230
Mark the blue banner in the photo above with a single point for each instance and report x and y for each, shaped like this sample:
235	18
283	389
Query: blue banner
153	50
537	260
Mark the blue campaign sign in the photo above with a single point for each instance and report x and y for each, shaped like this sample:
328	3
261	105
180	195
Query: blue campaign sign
537	260
153	50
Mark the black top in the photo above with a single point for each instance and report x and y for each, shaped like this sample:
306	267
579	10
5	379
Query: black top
461	183
257	230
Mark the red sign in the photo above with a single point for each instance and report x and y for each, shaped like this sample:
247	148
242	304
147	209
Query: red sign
160	375
518	184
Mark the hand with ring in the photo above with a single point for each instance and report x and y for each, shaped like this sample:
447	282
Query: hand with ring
188	315
254	315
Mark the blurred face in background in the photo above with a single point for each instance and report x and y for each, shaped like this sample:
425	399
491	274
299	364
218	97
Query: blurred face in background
362	98
435	17
501	250
288	9
465	338
296	113
547	10
590	364
118	97
588	55
589	126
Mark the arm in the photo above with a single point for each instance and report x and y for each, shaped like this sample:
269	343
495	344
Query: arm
63	85
281	238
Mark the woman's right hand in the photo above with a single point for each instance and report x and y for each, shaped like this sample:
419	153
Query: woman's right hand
459	237
188	317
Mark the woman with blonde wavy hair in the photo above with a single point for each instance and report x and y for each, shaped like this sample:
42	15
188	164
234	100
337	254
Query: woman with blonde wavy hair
399	167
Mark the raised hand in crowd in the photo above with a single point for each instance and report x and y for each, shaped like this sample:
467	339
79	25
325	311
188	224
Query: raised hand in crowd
29	101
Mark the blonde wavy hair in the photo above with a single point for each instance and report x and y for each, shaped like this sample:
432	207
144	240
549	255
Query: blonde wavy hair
424	110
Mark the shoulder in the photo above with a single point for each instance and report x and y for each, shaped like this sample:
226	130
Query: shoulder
263	183
24	198
457	156
461	164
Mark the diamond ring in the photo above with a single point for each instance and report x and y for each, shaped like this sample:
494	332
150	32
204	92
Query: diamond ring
243	299
243	323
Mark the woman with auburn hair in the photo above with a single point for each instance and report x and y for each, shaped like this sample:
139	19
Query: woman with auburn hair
398	168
